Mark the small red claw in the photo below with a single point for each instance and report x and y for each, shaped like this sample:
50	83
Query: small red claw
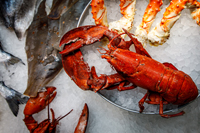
38	103
83	120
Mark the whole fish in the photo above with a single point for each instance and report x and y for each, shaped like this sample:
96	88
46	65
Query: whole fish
8	58
8	9
13	97
44	61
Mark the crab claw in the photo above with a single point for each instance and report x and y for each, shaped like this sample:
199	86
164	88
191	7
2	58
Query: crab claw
38	103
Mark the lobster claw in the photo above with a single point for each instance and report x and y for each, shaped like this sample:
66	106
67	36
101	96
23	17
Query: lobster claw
83	120
36	104
72	58
81	36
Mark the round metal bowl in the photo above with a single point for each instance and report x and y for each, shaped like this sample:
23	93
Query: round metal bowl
109	94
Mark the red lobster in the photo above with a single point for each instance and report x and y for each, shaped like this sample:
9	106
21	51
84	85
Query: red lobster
165	84
36	104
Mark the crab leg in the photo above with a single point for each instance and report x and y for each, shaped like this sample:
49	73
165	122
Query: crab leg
161	32
99	12
149	16
127	8
195	13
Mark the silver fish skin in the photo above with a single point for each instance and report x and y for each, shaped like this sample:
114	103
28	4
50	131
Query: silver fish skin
24	17
8	9
8	58
18	14
13	97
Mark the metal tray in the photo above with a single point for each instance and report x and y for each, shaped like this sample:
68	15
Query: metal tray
111	95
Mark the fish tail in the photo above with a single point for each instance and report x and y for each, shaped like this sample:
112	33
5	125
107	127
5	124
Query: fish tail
13	60
15	99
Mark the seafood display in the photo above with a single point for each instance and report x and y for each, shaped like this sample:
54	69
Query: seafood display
12	97
48	35
127	8
38	103
163	81
8	58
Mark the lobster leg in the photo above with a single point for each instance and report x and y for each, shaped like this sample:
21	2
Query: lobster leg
167	115
141	102
54	123
155	98
122	86
107	82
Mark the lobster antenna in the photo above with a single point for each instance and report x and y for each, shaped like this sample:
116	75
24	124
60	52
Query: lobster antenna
48	109
64	115
106	51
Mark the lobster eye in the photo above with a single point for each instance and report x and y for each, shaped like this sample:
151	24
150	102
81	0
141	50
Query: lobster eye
111	55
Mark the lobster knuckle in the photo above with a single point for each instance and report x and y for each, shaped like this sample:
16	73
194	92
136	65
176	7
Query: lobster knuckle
97	83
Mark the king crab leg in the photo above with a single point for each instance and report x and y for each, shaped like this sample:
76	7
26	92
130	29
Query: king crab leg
127	8
149	16
161	32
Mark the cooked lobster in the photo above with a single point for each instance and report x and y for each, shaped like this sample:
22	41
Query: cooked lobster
164	82
36	104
